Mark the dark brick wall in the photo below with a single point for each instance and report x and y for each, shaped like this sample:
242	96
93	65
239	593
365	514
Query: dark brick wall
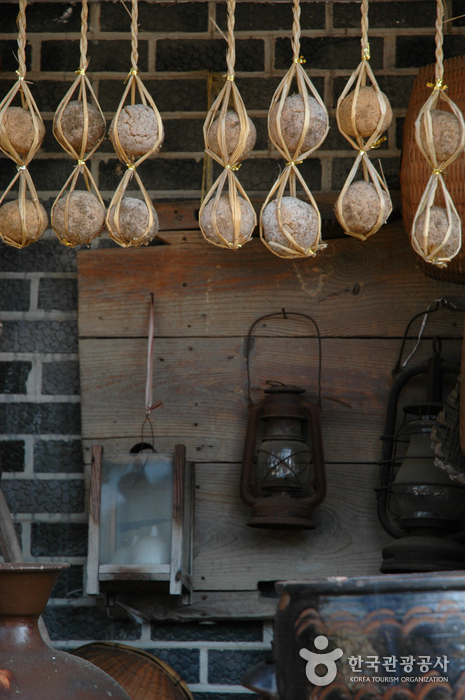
40	441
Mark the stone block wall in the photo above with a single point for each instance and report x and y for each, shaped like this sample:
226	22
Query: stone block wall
39	363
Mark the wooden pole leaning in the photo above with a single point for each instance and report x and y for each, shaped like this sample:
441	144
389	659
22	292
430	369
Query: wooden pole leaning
358	80
134	87
287	245
241	220
81	147
436	209
27	224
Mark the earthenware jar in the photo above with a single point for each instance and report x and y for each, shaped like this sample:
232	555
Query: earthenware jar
29	669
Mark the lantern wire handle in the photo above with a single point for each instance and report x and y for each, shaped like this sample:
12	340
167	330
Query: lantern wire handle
285	314
432	308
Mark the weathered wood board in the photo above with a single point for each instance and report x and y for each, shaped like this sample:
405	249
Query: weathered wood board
357	289
362	296
202	384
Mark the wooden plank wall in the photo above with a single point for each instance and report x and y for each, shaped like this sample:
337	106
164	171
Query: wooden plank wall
362	296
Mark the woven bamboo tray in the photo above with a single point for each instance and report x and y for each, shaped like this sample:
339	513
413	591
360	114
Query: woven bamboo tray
415	172
142	675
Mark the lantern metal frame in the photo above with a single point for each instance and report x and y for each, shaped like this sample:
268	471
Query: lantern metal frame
277	511
422	544
175	577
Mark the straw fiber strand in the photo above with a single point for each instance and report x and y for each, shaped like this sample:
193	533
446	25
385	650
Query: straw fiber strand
26	191
285	242
227	184
134	87
436	233
140	674
415	171
68	113
358	81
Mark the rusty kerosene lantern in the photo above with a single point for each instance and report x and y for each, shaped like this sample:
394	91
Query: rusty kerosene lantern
418	504
283	471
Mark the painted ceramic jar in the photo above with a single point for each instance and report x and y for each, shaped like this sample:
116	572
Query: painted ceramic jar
376	638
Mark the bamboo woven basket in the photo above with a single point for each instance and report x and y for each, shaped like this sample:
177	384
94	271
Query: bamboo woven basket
415	172
142	675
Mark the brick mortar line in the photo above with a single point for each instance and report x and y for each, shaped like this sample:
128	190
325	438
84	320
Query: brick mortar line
65	77
43	476
50	437
39	315
241	34
43	357
39	398
38	275
160	644
50	518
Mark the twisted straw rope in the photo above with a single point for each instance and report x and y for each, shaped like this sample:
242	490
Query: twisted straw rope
439	68
83	63
21	22
134	32
231	52
295	41
365	25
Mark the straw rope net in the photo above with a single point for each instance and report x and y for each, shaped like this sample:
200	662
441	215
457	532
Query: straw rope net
297	125
228	220
79	126
437	230
22	220
362	117
133	222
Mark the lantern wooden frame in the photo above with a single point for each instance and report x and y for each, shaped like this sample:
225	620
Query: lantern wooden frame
176	577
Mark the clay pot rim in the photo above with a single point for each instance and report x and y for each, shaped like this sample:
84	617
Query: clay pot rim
15	566
388	583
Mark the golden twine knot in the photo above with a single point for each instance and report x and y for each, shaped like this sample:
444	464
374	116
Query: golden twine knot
294	162
230	78
438	85
133	71
81	162
300	59
19	74
21	167
366	53
362	153
131	166
437	171
80	71
378	143
233	167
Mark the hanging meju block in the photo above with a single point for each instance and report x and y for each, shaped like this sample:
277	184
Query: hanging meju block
227	218
440	135
297	124
22	220
78	215
136	133
363	114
